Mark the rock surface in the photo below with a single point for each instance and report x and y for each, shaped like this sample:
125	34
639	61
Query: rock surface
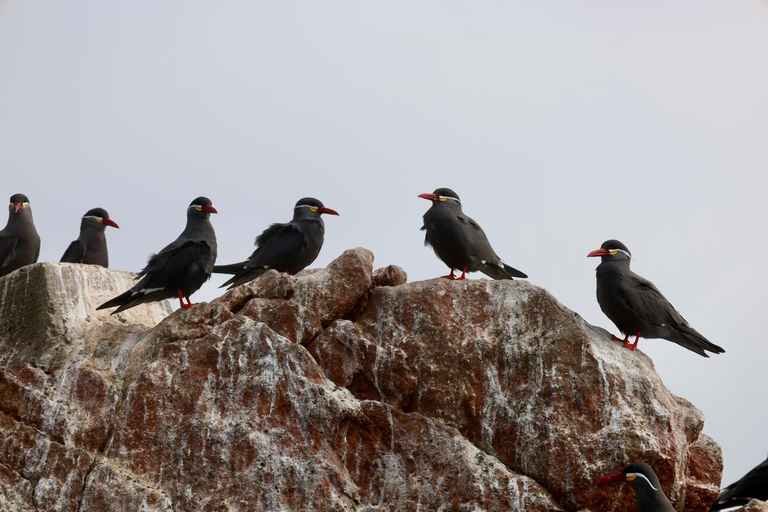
336	389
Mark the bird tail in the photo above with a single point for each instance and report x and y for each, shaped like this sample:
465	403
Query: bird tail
690	338
501	271
233	268
124	300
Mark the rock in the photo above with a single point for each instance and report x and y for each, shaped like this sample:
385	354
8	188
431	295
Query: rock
435	395
753	506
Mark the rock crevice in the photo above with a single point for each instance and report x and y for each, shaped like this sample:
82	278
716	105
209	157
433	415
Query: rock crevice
336	389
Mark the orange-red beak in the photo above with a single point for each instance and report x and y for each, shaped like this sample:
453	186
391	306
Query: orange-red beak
323	209
616	477
209	209
599	252
110	222
17	206
430	197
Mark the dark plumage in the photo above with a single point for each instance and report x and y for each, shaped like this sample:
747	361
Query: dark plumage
645	483
181	268
289	247
753	485
459	241
19	241
91	246
637	307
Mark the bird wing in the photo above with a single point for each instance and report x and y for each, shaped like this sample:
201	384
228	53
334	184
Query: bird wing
649	304
751	485
427	243
277	241
171	264
7	245
74	253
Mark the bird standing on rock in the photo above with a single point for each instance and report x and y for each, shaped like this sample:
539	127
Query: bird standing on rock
645	483
91	246
637	307
753	485
19	241
459	241
288	247
181	268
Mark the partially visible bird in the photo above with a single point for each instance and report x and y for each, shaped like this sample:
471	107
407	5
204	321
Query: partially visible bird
91	246
19	241
645	483
288	247
181	268
753	485
637	307
459	241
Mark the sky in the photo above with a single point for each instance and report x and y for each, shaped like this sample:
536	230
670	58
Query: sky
560	125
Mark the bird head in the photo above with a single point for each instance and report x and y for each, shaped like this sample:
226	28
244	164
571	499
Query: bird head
311	206
640	476
442	195
19	202
99	217
612	250
201	207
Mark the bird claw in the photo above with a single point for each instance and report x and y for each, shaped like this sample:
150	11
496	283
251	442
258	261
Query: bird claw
616	338
181	300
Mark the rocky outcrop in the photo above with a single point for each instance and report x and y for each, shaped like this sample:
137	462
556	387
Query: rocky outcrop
336	389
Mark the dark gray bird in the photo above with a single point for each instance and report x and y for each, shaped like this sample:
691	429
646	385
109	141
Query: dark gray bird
459	241
19	241
637	307
645	483
753	485
91	246
289	247
181	268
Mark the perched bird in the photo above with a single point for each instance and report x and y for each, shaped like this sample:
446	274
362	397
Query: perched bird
645	483
91	246
19	241
637	307
289	247
459	241
753	485
181	268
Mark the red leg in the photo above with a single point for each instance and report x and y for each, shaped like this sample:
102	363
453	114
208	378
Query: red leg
449	276
181	300
463	274
625	340
632	346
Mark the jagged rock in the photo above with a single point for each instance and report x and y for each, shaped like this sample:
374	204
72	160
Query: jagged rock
753	506
436	395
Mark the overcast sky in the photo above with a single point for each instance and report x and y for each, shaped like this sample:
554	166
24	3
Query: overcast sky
560	124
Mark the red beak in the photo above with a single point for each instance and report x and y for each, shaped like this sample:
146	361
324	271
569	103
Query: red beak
209	209
431	197
323	209
17	207
599	252
617	477
110	222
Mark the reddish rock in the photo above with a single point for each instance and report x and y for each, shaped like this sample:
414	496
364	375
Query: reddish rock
436	395
753	506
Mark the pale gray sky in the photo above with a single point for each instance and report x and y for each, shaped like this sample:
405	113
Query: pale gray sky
560	125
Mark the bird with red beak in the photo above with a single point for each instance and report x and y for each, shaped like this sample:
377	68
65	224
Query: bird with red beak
90	247
643	480
19	241
181	268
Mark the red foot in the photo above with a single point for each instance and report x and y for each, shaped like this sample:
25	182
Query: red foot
449	276
625	341
181	300
463	273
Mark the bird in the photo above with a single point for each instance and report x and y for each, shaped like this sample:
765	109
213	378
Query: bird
645	483
753	485
19	241
459	241
288	247
637	307
181	268
91	246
